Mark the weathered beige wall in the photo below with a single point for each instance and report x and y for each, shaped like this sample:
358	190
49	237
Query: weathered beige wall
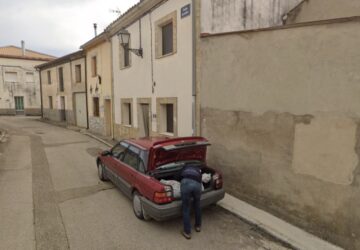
29	90
78	86
151	77
281	109
102	52
53	90
233	15
313	10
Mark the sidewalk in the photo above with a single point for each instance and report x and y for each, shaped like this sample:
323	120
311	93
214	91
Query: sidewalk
292	235
105	140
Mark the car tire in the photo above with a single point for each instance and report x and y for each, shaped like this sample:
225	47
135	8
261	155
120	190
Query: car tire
138	209
101	172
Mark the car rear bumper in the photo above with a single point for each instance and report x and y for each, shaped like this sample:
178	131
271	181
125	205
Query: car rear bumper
173	209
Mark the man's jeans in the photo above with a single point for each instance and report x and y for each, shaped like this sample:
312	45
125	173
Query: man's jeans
190	189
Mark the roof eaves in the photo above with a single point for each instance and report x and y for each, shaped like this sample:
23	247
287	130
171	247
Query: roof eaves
67	58
95	41
132	15
32	51
26	58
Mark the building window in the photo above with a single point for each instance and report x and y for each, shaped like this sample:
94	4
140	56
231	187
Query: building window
166	36
167	39
96	107
49	76
61	79
78	73
169	118
126	56
11	77
93	66
126	112
50	102
167	115
30	77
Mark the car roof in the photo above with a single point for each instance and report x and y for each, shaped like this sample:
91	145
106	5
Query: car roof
149	142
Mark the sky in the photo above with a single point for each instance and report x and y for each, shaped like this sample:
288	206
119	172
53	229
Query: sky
56	27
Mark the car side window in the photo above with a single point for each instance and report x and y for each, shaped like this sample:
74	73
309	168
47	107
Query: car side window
119	150
141	167
131	159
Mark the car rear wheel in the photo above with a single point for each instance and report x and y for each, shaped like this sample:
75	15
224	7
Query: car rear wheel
139	211
101	172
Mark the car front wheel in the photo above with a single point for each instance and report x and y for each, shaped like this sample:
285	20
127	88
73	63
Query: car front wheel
101	172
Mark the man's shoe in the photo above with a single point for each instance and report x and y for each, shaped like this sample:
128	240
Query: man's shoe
198	229
186	235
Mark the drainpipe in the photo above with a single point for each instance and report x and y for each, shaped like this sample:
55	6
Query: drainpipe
194	94
41	95
112	90
86	94
72	94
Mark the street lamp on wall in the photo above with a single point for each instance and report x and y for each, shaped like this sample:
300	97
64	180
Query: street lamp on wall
124	38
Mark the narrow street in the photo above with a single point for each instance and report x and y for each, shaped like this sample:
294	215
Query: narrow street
51	198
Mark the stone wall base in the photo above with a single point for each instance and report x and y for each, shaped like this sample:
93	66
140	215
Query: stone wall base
97	125
55	115
7	112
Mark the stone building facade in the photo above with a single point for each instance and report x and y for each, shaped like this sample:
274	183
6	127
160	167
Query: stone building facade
19	80
63	85
99	84
154	91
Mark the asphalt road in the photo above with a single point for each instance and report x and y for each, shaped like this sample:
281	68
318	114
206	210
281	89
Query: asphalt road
51	198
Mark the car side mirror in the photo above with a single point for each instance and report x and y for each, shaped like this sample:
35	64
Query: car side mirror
106	153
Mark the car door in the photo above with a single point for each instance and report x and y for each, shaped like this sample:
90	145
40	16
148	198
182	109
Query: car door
127	168
112	163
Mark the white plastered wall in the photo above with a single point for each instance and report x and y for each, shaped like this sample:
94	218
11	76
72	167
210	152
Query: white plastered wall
171	75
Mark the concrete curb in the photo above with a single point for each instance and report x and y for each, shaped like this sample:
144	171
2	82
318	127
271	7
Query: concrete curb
294	236
96	138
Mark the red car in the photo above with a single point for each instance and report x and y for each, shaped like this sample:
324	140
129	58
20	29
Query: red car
136	167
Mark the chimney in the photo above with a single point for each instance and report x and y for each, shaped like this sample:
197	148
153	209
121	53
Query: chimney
23	47
95	29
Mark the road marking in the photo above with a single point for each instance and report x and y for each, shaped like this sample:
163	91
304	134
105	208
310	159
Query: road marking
50	231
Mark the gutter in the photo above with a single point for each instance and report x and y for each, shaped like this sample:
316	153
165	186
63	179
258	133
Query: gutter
112	90
41	95
86	94
194	94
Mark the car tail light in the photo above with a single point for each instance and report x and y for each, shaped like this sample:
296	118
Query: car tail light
165	196
218	182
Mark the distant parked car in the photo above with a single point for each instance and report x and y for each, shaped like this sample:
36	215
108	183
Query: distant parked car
136	167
